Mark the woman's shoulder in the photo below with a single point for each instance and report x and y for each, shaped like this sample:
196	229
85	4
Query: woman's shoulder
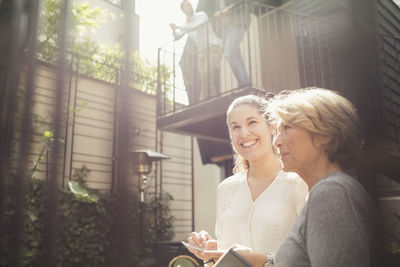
338	180
233	180
340	183
290	177
298	187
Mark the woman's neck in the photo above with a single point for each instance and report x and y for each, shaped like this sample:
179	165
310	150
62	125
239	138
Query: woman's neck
266	168
318	171
261	175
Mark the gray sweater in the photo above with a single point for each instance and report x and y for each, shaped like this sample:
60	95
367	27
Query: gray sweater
335	228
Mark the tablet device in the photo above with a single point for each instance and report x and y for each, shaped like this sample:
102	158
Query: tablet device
216	252
232	258
188	245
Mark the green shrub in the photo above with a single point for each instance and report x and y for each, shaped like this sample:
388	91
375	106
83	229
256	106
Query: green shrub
85	225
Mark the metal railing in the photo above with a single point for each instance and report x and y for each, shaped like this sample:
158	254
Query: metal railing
202	69
253	46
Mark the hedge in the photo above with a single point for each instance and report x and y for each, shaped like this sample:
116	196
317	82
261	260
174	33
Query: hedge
85	225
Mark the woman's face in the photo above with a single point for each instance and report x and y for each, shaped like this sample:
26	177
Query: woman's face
249	132
297	150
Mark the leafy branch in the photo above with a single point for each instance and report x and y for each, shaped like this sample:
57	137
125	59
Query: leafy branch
101	61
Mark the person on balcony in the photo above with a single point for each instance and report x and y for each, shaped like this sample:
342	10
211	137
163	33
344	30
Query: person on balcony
233	19
318	135
258	204
206	48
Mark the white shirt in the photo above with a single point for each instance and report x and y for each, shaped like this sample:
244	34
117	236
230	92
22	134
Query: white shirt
198	33
261	224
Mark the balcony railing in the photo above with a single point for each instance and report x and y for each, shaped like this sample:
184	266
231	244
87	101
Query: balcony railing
276	47
201	69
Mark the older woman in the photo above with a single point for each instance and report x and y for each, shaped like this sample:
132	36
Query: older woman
318	131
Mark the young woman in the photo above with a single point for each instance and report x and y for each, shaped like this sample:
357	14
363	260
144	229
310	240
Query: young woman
258	204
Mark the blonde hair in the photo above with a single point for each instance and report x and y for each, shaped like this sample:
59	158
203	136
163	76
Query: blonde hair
324	113
241	164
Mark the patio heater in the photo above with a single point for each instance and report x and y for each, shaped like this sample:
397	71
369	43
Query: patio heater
142	162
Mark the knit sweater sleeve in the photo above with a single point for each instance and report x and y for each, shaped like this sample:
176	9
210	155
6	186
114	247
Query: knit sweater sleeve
336	231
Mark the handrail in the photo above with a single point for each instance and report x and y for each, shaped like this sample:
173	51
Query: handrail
288	11
252	58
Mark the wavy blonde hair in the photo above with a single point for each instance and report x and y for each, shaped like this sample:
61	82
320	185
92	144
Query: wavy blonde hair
324	113
259	102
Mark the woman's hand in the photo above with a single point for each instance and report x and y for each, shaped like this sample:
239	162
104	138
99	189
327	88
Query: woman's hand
199	239
211	251
203	240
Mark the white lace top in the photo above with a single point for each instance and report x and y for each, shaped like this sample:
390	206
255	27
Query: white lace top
261	224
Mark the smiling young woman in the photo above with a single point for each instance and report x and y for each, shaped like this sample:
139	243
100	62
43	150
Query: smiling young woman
258	204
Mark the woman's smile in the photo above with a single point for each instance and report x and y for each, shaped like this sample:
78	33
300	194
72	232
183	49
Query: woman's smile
249	143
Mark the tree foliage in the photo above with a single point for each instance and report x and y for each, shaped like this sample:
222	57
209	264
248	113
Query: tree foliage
82	20
98	60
